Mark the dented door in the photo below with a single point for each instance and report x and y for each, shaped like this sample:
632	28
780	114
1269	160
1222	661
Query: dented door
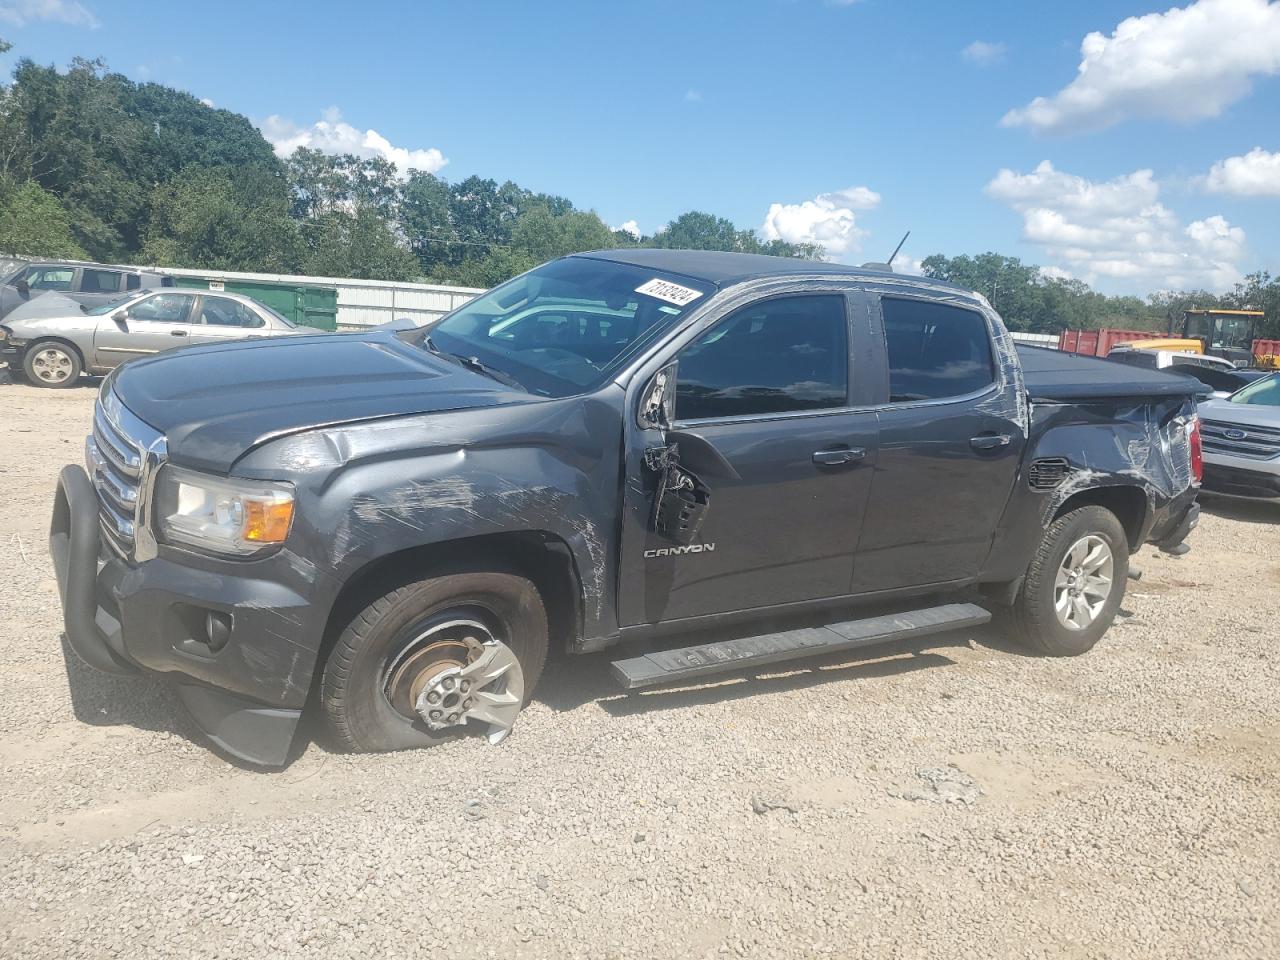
779	494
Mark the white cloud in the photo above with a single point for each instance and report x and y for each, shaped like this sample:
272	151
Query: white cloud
1255	174
207	102
905	263
693	96
983	53
332	134
19	13
1119	231
828	219
1056	273
630	227
1185	64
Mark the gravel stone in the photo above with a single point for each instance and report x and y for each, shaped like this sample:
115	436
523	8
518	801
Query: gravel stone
1130	798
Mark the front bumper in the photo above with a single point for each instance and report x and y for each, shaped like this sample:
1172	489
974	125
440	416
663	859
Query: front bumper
246	695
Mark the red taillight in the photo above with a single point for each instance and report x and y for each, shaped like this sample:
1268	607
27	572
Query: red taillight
1197	450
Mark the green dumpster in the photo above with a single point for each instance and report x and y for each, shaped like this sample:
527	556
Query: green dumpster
305	305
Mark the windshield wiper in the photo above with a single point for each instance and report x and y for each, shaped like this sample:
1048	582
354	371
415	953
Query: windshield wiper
479	366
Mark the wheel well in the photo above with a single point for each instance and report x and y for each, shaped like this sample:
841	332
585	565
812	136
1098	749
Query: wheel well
543	558
1129	504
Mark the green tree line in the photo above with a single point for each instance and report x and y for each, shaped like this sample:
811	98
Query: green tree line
96	166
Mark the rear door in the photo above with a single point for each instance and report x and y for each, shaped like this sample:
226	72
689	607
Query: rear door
155	323
223	319
951	439
767	414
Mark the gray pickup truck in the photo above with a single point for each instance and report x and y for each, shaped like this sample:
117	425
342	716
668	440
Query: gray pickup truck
616	447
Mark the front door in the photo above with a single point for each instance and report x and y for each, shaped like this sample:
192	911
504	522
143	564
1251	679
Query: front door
951	439
159	322
765	416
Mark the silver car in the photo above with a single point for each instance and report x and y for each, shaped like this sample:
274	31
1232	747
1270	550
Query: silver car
54	339
1241	437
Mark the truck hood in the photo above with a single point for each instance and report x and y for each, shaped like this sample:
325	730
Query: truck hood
1248	414
215	403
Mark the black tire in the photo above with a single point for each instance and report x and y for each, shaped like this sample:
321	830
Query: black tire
1033	620
351	690
68	364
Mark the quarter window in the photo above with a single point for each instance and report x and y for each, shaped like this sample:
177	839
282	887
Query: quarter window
935	350
778	356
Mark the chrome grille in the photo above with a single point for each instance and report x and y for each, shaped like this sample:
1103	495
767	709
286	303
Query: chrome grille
1240	439
122	455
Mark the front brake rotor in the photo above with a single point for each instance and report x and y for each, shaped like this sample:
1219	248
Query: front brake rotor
456	672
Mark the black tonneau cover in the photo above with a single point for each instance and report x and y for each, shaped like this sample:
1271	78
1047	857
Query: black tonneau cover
1056	375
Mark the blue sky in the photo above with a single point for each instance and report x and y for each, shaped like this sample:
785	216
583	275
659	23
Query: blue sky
858	120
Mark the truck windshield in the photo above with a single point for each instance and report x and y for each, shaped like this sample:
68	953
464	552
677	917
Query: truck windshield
1235	332
1263	393
563	328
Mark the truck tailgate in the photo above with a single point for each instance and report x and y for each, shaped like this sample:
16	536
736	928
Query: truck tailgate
1053	375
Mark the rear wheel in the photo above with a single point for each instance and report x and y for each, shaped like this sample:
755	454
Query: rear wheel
434	659
1074	585
52	364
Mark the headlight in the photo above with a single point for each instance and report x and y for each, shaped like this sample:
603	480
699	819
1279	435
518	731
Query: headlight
220	515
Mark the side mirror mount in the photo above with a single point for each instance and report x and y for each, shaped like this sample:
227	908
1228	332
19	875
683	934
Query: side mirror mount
23	288
658	401
120	316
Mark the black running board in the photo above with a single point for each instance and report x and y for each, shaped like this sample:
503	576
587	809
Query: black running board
685	663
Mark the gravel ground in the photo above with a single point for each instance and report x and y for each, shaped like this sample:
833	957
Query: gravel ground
955	799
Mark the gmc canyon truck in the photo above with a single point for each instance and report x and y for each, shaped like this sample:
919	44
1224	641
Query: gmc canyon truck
616	446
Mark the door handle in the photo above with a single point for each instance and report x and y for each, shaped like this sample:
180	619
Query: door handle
839	455
177	333
990	441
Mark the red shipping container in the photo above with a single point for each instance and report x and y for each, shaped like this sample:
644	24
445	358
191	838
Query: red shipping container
1264	348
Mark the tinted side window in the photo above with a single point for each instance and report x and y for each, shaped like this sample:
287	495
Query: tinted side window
221	312
99	281
935	350
133	282
773	357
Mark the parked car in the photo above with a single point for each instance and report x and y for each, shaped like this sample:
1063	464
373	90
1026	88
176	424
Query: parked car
52	341
1242	441
682	439
1220	377
88	283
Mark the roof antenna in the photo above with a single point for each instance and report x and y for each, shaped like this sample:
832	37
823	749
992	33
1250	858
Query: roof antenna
889	262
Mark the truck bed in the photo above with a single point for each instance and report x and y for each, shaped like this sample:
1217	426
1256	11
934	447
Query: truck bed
1052	375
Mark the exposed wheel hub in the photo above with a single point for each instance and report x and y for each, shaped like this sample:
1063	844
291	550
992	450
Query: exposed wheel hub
454	672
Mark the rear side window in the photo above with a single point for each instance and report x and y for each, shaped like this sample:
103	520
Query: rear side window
99	281
133	281
935	350
221	312
779	356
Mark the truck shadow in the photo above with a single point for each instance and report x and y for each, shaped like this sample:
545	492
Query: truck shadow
569	684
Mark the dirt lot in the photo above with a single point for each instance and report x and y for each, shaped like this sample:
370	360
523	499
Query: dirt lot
1125	804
